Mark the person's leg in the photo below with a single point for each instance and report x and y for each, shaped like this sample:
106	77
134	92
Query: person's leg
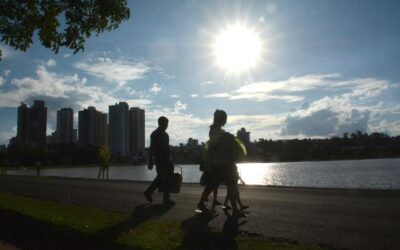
233	194
204	196
153	186
241	205
215	196
166	172
226	206
212	184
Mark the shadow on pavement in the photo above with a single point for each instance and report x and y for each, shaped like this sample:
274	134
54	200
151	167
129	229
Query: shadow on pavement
199	235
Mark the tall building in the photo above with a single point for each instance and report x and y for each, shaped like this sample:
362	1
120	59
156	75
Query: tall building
23	125
32	124
136	131
92	127
244	136
38	123
65	126
119	129
101	129
192	143
75	136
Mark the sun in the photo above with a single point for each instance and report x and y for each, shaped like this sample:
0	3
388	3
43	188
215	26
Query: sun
237	48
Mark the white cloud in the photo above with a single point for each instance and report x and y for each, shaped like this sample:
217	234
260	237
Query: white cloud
218	95
293	89
389	127
181	125
51	63
58	88
174	96
141	103
328	117
259	126
179	106
194	95
207	82
7	72
264	97
155	88
67	55
119	70
6	52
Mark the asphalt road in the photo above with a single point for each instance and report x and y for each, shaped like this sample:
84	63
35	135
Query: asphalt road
337	218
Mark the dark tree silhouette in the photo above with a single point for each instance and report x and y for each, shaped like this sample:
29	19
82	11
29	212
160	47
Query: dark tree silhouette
19	20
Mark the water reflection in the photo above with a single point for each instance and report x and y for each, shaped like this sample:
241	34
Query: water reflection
381	173
256	173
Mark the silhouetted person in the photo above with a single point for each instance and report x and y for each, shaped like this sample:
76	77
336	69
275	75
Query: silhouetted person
160	155
222	153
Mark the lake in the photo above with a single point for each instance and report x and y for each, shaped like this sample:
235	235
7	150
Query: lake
363	174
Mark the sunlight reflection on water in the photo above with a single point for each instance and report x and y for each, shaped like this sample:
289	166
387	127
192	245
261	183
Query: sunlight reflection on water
380	173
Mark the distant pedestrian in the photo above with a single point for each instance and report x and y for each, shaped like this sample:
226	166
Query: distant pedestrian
104	162
38	167
160	155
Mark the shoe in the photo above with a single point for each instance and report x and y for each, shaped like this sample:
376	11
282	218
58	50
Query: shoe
226	207
244	207
239	214
169	202
202	207
217	203
148	197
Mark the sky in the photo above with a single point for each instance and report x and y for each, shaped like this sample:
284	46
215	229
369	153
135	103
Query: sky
324	68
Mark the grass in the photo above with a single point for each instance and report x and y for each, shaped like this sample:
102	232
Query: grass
151	233
79	218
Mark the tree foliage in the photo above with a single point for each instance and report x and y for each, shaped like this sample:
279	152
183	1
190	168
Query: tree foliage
19	20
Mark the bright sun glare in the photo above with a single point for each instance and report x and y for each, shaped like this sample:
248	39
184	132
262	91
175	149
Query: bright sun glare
237	49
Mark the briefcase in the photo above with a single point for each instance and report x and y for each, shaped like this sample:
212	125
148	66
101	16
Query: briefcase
174	183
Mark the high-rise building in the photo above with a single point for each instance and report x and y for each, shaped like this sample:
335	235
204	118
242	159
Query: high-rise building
23	125
92	127
101	129
32	124
119	129
192	143
75	136
136	131
244	136
38	123
65	126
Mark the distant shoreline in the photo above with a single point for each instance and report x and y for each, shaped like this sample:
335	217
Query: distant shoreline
185	163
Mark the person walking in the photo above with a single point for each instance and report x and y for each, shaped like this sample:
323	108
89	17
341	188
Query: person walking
220	163
160	155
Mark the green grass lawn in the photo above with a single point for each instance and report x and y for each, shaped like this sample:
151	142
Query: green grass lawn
136	233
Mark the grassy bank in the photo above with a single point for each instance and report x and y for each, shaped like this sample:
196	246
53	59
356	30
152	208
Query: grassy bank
49	223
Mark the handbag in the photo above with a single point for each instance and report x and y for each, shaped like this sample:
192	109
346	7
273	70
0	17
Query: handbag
173	184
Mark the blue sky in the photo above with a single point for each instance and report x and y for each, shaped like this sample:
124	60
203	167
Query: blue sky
327	67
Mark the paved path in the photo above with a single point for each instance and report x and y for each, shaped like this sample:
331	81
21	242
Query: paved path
338	218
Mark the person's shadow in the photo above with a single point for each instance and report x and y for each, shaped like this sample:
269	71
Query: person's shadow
142	213
199	235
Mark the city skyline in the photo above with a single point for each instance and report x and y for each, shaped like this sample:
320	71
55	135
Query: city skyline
310	70
122	129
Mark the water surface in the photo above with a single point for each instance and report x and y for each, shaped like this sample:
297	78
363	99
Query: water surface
368	174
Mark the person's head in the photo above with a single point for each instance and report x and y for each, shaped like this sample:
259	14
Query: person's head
163	122
220	117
